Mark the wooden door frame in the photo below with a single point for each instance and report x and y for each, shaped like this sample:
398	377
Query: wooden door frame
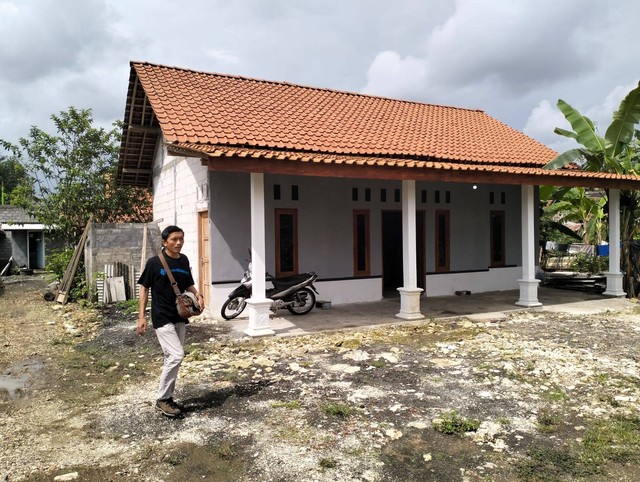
202	275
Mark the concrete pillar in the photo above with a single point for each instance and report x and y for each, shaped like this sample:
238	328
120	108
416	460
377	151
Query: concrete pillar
528	283
409	293
614	275
258	304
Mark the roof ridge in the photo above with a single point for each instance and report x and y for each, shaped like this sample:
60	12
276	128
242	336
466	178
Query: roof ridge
301	86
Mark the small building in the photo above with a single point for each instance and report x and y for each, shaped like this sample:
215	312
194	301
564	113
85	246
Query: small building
22	238
378	196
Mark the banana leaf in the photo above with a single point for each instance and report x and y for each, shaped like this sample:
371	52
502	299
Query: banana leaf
583	126
565	158
621	131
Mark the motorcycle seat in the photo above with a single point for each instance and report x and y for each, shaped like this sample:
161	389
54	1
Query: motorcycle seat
289	281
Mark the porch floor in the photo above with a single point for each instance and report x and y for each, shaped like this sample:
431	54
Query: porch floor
477	306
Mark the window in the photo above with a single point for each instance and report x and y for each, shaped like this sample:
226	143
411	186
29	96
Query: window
497	241
361	249
294	192
396	195
367	194
447	197
286	242
436	197
491	198
503	198
276	192
383	195
442	241
423	196
354	193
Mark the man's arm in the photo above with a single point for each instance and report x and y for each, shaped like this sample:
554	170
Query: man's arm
142	307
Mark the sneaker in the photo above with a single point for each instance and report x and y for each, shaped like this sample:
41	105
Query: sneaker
168	409
175	404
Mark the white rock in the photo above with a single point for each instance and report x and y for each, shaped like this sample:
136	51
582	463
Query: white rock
69	476
418	424
357	355
393	434
426	457
390	357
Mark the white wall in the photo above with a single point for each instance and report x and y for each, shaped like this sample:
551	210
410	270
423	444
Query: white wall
496	279
175	199
325	228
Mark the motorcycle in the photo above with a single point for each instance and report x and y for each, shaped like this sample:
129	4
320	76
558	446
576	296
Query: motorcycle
295	293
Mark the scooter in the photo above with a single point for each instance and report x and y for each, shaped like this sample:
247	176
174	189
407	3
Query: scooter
295	293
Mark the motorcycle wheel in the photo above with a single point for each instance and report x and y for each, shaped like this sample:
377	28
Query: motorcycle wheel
233	307
304	301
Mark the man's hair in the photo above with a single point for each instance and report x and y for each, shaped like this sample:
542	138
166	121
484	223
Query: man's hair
166	232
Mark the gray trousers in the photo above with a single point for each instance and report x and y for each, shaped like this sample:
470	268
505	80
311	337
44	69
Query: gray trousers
171	338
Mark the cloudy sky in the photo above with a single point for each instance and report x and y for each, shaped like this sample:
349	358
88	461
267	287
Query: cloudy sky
511	58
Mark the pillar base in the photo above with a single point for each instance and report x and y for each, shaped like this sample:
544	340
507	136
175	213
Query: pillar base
528	293
614	285
259	322
410	304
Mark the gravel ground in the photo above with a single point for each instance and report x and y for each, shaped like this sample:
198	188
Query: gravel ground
528	396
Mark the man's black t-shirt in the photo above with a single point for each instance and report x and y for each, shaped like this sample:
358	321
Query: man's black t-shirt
163	298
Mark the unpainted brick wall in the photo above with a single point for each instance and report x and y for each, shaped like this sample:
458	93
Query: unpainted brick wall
110	243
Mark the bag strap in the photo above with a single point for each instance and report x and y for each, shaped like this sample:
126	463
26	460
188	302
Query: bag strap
174	285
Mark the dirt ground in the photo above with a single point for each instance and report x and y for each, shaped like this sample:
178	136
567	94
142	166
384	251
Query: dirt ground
531	396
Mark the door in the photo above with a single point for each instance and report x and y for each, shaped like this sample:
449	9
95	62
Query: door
204	273
392	265
497	240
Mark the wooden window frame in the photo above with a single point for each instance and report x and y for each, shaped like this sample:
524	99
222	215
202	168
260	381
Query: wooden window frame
502	262
367	242
294	213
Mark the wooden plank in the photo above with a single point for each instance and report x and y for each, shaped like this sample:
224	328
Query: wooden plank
67	280
116	289
7	266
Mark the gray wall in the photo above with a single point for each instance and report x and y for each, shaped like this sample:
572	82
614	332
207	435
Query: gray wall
110	243
325	217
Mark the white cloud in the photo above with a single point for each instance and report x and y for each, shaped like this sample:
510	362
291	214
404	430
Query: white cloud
392	76
222	55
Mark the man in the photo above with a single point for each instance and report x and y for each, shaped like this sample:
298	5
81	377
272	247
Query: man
169	326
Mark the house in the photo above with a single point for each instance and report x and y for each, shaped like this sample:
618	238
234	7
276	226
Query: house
21	238
376	195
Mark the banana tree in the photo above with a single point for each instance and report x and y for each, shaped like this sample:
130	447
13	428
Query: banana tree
616	152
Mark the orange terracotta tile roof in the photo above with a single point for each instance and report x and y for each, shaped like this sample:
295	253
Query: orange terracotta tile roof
219	109
222	117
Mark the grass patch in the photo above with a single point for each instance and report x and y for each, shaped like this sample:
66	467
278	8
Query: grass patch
549	463
328	463
128	307
555	395
548	421
341	410
292	405
452	422
378	363
615	440
195	355
351	343
224	450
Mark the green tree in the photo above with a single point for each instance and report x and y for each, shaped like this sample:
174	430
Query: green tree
616	152
71	175
11	175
